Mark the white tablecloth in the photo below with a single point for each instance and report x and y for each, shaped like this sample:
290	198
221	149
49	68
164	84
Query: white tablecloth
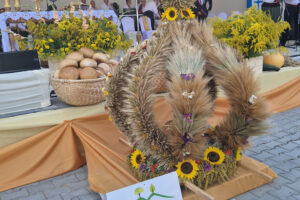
23	91
45	14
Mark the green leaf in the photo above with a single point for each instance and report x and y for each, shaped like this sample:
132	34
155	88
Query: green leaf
138	191
152	188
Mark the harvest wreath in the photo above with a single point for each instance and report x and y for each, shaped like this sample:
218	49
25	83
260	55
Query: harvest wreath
196	63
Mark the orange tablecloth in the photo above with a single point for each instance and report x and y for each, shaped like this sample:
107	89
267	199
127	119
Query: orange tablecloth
55	151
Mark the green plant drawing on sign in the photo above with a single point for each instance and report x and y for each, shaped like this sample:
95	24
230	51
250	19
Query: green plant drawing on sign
139	190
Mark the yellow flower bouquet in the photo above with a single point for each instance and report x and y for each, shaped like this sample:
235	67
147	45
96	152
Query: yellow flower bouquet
250	33
70	33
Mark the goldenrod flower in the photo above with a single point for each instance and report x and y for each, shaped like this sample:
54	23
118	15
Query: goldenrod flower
137	158
171	14
105	92
187	169
238	154
50	40
214	155
47	47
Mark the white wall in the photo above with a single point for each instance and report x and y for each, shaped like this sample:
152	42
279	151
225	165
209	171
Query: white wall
228	6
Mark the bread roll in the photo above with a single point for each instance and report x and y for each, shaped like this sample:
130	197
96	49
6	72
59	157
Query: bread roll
56	74
70	73
87	52
68	63
105	67
101	58
88	73
88	62
78	56
101	72
113	62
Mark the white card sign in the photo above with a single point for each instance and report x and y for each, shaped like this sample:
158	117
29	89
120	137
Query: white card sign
164	187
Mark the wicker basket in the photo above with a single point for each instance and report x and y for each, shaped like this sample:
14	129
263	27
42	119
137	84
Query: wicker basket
79	92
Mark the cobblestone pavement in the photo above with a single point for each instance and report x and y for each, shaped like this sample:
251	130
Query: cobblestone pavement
280	150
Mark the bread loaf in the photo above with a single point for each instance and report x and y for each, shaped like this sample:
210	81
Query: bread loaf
78	56
68	63
87	52
88	73
100	58
88	62
70	73
105	67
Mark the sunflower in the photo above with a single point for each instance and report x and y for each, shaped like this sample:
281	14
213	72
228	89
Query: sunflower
137	158
187	169
163	16
170	14
214	155
109	24
238	154
187	13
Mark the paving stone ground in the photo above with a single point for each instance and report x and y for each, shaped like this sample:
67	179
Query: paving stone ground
280	149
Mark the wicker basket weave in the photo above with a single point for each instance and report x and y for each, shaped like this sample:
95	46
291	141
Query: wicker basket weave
79	92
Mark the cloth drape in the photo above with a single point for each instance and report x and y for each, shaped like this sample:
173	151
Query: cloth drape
55	151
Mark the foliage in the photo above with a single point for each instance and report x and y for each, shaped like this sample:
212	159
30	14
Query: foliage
206	174
250	33
140	190
70	33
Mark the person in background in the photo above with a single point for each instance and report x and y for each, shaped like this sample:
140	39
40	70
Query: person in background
52	6
106	5
2	10
84	5
141	5
291	16
150	10
151	6
272	7
93	4
116	8
127	4
159	8
201	10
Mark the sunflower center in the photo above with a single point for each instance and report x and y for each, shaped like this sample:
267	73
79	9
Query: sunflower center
172	14
186	168
185	13
213	156
138	159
